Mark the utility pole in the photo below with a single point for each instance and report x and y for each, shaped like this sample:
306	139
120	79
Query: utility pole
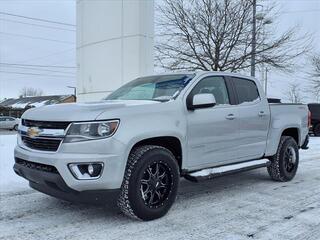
266	82
254	26
74	91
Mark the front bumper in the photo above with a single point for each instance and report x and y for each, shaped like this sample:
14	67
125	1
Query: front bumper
85	152
46	179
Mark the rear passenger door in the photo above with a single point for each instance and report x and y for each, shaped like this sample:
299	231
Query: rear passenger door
253	117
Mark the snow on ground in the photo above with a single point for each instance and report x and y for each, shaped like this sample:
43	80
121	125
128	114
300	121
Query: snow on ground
9	181
243	206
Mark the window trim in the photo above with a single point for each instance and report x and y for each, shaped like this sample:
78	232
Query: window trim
232	80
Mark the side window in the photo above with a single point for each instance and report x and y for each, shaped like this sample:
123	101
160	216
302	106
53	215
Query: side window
247	90
215	86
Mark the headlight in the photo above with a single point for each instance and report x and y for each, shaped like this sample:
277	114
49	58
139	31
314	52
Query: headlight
91	130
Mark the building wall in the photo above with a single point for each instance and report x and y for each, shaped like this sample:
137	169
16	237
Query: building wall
114	45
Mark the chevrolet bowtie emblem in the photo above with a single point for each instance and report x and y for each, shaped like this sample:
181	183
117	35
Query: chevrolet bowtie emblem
33	132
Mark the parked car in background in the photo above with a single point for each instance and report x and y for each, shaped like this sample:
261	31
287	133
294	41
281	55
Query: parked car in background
314	108
10	123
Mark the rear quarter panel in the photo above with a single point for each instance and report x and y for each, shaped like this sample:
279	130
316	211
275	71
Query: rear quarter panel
284	116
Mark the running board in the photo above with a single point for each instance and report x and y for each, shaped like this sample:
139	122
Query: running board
226	170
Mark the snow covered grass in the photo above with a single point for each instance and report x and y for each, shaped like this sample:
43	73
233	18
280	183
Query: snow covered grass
9	180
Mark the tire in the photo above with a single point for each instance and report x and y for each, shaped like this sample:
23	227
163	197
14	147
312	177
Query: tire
284	164
15	127
316	130
142	180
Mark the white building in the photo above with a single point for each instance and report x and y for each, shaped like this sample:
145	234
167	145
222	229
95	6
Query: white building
114	44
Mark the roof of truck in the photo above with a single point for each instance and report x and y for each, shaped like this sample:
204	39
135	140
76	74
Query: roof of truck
199	73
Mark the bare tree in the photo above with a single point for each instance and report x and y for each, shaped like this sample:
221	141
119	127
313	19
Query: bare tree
314	76
294	93
30	92
217	35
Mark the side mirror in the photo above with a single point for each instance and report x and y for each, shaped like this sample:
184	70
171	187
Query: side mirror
202	100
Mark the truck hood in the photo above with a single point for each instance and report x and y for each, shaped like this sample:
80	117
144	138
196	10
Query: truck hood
79	111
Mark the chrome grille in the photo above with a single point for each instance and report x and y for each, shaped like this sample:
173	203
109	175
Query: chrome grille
42	135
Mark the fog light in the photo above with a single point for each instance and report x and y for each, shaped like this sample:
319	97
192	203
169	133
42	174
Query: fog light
86	171
90	169
94	170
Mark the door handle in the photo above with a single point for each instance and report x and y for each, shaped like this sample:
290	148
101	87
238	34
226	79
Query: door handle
230	116
262	113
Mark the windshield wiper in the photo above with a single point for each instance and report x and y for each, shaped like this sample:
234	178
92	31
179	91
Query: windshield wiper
162	98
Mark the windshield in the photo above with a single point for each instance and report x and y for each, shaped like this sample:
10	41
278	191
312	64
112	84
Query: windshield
156	88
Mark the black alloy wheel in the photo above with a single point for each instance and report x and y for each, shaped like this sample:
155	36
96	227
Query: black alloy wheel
150	183
156	184
290	159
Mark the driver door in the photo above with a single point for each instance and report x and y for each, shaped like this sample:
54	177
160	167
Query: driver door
212	133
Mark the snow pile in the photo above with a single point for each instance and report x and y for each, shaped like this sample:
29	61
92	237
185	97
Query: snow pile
9	180
23	104
39	104
20	105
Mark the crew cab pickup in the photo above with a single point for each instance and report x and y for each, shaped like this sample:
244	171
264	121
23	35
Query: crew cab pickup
144	136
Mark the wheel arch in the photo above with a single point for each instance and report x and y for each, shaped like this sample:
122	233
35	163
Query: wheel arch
172	143
293	132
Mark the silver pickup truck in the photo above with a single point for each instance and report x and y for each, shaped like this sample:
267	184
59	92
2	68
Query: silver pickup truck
143	137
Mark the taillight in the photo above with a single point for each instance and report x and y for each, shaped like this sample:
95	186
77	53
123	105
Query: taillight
309	119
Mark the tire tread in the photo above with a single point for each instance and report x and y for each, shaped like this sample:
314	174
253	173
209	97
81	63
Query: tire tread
274	167
134	157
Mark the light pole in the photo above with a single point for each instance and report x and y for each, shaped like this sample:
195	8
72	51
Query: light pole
265	70
74	91
266	21
266	82
253	44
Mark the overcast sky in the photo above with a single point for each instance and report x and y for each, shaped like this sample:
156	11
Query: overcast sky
23	41
56	46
